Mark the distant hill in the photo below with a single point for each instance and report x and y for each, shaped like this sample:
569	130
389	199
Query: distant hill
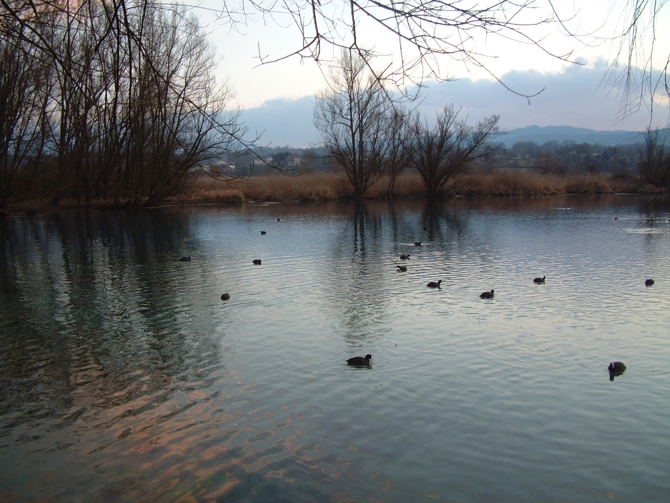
560	134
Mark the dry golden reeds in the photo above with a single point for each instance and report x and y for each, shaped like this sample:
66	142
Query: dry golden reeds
331	186
318	187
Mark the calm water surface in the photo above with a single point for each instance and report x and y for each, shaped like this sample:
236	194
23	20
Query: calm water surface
124	377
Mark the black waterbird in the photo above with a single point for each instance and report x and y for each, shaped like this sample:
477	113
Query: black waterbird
359	360
616	369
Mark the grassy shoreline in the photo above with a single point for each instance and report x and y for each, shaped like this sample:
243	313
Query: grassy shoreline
315	187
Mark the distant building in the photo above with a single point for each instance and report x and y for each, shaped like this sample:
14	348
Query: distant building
220	164
293	160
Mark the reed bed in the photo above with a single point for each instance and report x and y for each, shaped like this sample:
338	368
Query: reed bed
332	186
528	183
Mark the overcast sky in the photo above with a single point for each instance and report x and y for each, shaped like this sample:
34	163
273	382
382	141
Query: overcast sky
278	98
577	97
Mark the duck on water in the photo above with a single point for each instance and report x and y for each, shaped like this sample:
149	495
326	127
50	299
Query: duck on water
616	369
359	360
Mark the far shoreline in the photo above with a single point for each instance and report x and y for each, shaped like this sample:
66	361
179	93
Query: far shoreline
322	187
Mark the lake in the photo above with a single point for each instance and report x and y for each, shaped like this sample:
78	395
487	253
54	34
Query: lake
125	377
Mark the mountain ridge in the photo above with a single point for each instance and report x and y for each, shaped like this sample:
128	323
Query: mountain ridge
543	134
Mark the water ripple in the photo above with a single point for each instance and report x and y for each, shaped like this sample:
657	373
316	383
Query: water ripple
124	367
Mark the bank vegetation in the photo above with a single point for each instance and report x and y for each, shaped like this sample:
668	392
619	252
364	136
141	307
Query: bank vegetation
115	104
315	187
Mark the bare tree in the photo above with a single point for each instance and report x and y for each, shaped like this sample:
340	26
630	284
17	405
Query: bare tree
352	117
640	60
440	152
546	163
23	112
425	34
654	165
177	117
397	152
130	105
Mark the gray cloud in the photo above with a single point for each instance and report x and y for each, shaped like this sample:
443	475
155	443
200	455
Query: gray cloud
578	97
283	122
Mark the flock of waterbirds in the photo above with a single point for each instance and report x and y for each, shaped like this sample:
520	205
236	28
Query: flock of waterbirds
614	368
